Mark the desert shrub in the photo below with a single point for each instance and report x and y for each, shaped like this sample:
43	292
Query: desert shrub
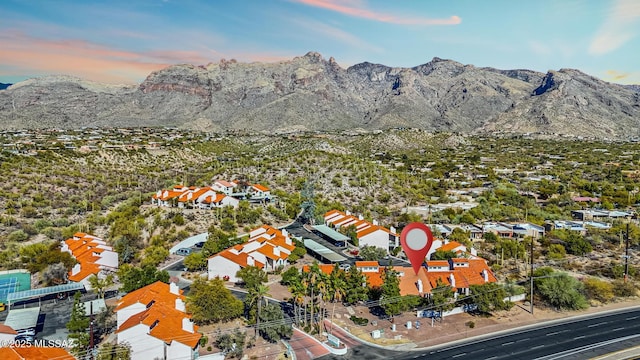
359	321
598	289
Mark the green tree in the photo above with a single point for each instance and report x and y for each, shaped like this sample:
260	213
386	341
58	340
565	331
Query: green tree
337	287
290	276
461	236
489	297
252	276
98	285
390	299
443	255
442	297
562	291
154	255
372	253
210	301
276	329
576	244
195	261
356	286
133	278
256	296
490	237
556	252
77	326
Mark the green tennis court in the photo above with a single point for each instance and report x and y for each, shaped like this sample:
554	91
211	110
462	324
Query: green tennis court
12	281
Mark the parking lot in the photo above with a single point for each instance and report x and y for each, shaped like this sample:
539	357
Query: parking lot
54	314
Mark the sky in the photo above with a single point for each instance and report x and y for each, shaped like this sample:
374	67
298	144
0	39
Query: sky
122	41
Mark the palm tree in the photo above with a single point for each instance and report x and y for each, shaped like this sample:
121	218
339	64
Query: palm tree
325	295
259	294
298	293
337	285
313	279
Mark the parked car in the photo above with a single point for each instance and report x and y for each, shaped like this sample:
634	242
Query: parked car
30	331
183	251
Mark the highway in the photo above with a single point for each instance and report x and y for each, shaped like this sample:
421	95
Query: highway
573	339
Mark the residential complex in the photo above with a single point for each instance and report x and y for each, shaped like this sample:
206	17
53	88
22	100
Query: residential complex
154	322
93	255
267	248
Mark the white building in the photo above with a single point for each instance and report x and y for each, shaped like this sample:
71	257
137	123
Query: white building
224	187
154	322
193	197
93	255
377	236
267	248
257	191
368	233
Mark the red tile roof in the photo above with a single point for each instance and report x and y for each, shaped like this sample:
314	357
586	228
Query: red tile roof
165	323
225	183
366	263
325	268
268	239
158	292
371	229
450	246
240	258
84	248
260	187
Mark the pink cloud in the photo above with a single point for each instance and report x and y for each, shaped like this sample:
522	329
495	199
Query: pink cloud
23	54
356	9
36	56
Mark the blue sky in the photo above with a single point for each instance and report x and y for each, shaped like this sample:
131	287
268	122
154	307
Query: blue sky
123	41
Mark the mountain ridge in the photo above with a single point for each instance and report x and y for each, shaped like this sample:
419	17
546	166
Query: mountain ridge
312	93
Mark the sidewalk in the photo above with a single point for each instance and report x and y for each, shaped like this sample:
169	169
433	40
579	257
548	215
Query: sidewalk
456	328
627	354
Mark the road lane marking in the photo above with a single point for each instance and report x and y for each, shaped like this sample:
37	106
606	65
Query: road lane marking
579	337
455	356
491	358
557	332
507	343
598	324
632	318
618	329
537	347
521	340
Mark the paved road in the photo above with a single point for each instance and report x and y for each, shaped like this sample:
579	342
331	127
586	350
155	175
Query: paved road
574	339
305	347
571	339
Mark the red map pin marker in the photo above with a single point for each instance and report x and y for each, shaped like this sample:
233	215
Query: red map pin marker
416	240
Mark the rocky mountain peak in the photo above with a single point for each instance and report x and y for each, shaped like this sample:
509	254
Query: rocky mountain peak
312	93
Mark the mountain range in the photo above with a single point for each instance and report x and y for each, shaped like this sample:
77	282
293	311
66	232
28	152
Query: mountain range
312	93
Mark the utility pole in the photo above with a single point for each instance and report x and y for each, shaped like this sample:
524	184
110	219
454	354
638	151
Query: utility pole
91	329
531	276
626	255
